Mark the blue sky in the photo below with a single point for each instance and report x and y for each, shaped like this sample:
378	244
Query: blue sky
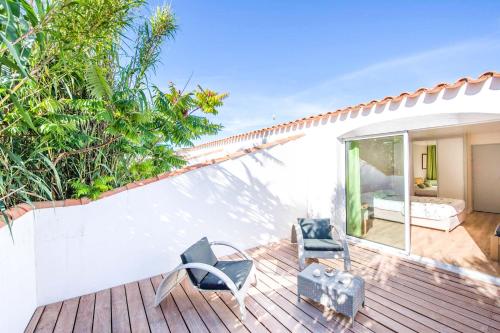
289	59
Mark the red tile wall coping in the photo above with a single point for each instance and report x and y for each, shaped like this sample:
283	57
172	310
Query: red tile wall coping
21	209
189	158
299	122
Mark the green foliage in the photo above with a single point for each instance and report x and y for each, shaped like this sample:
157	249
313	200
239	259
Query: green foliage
93	190
77	113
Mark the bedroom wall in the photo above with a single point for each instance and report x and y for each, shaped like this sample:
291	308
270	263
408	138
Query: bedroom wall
418	150
476	139
451	168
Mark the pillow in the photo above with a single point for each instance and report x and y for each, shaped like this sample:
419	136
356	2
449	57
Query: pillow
427	183
433	182
315	228
200	252
421	185
419	180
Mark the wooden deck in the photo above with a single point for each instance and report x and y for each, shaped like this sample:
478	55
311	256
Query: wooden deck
401	296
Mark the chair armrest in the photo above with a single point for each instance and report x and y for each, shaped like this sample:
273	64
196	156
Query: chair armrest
300	245
168	284
243	253
343	239
340	233
300	236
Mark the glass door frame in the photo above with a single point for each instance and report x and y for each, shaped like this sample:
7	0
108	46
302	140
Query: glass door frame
407	184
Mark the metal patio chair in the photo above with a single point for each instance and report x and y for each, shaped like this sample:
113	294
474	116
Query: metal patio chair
207	273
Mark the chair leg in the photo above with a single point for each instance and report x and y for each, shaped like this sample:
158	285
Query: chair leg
302	262
347	264
243	310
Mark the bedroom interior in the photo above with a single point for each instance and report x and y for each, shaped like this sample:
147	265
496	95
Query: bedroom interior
454	193
461	224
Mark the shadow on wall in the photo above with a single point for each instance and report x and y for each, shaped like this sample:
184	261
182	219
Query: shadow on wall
140	233
232	203
338	207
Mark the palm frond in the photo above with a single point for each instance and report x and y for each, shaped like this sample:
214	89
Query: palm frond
97	83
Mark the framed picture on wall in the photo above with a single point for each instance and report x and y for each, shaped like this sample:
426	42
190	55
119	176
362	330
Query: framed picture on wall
424	161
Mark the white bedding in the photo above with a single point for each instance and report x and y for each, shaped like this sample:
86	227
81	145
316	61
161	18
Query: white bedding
426	191
434	208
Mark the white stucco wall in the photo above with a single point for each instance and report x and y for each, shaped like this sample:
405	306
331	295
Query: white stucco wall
64	252
140	233
17	275
69	251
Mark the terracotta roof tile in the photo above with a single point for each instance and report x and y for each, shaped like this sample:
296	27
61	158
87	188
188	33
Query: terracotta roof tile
112	192
48	204
382	101
72	202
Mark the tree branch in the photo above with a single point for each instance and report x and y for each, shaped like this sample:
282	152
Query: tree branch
83	150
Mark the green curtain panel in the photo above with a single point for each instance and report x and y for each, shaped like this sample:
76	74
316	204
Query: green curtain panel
353	190
431	163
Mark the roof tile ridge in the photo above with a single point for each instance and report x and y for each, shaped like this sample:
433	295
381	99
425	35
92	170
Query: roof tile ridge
438	87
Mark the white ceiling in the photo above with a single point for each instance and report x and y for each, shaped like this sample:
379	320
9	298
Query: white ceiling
452	131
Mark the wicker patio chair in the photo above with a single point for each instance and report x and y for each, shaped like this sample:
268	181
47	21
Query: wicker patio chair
316	239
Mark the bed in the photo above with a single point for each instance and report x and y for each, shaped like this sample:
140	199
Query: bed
429	212
431	191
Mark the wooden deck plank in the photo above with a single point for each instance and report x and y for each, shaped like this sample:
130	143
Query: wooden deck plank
433	287
262	314
188	312
462	308
481	287
326	318
401	296
66	320
402	268
286	319
414	307
30	328
207	314
85	314
170	311
272	275
102	312
157	322
371	324
284	272
49	317
424	288
311	323
427	308
137	313
230	320
119	310
302	317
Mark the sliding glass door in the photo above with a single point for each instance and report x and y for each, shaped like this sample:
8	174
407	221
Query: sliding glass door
376	189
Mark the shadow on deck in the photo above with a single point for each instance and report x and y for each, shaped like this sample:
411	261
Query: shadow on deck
401	296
